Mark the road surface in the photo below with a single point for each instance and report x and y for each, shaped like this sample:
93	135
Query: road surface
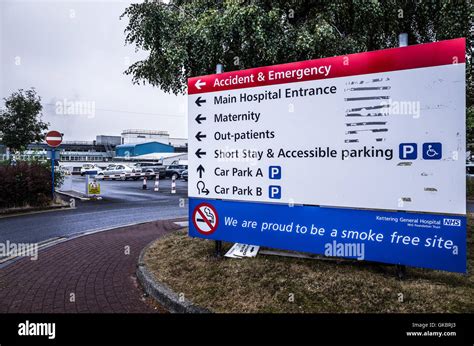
123	202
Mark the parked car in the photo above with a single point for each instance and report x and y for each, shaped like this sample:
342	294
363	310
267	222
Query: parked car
136	167
111	165
116	169
175	171
87	168
152	167
184	175
64	170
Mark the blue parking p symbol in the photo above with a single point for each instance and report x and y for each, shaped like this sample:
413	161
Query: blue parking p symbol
274	192
274	172
408	151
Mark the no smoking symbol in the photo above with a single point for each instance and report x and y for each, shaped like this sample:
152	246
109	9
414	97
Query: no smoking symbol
205	218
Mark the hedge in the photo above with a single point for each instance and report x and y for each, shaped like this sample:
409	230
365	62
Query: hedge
25	184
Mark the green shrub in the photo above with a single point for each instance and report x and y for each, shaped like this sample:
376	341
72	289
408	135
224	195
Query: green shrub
26	184
470	188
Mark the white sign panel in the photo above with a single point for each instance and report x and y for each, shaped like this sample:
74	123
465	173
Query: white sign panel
335	132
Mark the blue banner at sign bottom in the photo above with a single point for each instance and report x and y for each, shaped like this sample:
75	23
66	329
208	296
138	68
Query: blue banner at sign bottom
421	240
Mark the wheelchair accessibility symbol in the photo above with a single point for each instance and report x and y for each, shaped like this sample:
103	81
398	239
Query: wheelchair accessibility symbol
432	151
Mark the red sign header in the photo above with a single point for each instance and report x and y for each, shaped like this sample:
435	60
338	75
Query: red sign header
386	60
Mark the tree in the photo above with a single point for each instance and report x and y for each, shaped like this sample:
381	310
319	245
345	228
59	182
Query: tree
20	121
188	38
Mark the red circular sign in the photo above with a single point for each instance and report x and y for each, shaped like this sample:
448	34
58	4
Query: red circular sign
205	218
54	138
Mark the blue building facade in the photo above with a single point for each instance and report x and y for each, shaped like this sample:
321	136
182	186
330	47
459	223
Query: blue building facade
128	150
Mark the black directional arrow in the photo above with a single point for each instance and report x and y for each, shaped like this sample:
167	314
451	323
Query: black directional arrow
200	170
200	118
199	101
200	153
199	136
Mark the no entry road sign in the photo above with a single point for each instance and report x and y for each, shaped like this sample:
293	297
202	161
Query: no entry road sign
54	138
382	131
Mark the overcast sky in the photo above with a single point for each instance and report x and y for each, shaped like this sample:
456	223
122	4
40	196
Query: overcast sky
74	51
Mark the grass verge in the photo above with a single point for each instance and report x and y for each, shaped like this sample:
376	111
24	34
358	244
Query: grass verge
281	284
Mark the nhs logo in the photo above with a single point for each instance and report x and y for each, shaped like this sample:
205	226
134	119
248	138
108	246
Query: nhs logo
452	222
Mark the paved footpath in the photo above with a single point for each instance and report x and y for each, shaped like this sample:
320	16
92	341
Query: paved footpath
92	273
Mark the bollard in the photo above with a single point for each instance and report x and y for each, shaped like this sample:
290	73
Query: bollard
173	184
144	183
157	183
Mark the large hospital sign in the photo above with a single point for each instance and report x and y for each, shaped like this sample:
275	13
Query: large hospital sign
365	149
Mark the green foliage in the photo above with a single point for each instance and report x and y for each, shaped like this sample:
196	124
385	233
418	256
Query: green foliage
188	38
470	188
26	184
20	121
470	124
